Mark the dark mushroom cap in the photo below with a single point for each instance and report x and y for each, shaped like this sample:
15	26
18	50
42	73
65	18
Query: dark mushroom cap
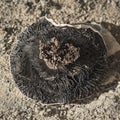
58	64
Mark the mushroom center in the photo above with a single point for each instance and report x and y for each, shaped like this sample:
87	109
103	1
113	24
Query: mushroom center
57	55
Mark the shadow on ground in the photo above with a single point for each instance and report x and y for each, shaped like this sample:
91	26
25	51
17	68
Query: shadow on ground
114	29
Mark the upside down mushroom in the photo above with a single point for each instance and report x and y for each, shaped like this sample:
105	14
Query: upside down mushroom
61	63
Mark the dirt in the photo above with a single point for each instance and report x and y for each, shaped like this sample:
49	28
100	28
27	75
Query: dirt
60	55
15	16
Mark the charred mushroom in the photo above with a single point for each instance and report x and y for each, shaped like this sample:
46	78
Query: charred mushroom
61	63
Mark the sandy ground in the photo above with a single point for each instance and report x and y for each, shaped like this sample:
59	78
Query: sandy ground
15	16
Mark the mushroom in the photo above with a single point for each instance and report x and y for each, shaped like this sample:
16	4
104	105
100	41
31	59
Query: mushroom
61	63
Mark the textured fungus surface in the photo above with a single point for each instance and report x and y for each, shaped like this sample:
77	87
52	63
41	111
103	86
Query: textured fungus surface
57	55
58	64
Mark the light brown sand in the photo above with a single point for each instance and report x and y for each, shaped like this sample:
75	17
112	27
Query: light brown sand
15	16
